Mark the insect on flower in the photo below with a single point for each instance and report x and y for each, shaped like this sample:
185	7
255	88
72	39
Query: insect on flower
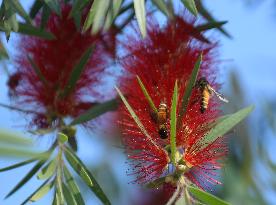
162	116
206	92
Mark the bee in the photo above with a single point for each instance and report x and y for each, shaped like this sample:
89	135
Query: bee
162	116
206	92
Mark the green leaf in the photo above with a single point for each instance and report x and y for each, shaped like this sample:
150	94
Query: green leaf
210	25
17	152
39	188
205	13
46	12
78	5
205	197
77	70
54	6
140	12
13	138
73	187
41	192
191	6
20	10
27	177
146	94
95	111
86	176
3	52
48	171
37	70
112	13
18	165
37	5
188	89
91	15
34	31
62	137
70	200
100	15
222	127
173	123
162	6
135	117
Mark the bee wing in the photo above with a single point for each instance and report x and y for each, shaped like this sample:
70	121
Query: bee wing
220	96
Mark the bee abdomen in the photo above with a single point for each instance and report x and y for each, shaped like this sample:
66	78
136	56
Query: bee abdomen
163	133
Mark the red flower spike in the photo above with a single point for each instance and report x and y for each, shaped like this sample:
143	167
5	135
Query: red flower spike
56	60
168	54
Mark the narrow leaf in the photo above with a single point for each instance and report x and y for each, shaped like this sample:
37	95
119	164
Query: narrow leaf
18	165
149	99
135	117
37	70
188	89
205	13
78	5
39	188
18	152
210	25
77	70
139	7
91	15
20	10
27	177
100	15
48	171
37	5
34	31
223	126
112	13
86	176
73	187
41	192
95	111
173	122
68	195
62	137
162	6
205	197
13	138
54	6
191	6
46	12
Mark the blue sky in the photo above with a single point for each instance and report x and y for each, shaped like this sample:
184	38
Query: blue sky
251	53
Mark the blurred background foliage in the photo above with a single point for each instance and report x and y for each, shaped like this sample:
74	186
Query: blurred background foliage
249	173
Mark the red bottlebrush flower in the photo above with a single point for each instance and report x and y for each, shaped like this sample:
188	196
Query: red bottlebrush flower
168	54
55	60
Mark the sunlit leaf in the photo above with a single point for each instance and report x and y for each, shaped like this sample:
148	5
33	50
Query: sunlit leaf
222	127
146	94
140	12
191	6
34	31
173	122
73	187
86	176
27	177
91	15
62	137
20	10
188	89
47	171
95	111
41	192
112	13
100	15
3	52
10	137
205	197
77	71
39	188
